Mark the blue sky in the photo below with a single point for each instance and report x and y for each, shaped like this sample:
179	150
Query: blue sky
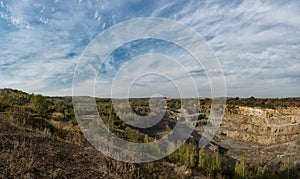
256	42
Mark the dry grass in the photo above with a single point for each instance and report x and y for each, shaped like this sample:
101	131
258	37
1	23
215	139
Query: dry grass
16	159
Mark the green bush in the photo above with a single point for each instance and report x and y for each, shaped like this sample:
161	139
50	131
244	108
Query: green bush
41	105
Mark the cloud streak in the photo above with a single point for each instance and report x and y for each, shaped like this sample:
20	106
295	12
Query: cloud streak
257	43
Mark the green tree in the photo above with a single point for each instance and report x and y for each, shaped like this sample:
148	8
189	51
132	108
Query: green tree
146	138
40	105
201	160
240	168
171	148
209	163
216	163
190	158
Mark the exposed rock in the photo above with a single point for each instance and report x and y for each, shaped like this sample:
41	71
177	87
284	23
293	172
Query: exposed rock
271	134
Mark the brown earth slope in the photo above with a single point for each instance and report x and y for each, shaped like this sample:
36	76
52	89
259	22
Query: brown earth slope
25	153
28	154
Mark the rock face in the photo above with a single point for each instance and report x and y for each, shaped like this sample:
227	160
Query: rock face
272	135
262	126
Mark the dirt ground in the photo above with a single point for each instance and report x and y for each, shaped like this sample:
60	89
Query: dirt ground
25	153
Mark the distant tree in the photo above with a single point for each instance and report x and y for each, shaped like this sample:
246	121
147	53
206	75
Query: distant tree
146	139
192	155
40	105
201	161
171	148
240	168
261	170
209	163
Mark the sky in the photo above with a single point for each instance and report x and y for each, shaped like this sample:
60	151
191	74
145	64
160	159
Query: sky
257	44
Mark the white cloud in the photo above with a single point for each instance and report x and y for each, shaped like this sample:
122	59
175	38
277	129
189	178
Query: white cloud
257	42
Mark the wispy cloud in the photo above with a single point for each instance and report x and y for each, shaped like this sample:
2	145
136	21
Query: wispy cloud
257	43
